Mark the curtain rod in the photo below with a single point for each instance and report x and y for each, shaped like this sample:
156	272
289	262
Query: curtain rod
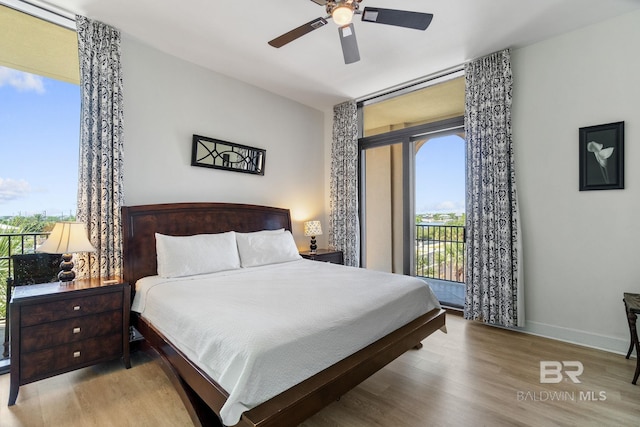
43	10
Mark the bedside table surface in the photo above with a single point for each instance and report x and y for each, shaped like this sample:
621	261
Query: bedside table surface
47	289
318	252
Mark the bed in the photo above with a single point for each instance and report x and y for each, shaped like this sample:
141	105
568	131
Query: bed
205	398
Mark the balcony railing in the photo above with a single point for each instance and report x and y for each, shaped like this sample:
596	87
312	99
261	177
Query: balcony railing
440	252
14	244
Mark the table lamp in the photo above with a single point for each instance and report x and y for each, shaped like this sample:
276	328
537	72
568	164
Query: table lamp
66	238
313	229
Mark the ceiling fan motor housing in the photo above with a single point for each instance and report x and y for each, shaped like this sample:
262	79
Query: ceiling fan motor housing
351	4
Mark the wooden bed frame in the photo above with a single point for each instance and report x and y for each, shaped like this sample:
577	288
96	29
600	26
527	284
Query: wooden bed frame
202	396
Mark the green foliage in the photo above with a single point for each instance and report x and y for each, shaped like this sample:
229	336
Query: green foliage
440	249
444	261
457	220
440	233
450	218
12	243
37	223
4	271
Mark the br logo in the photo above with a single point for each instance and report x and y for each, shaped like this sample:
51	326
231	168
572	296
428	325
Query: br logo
552	371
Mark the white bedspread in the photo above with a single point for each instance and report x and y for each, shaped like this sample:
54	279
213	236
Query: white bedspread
259	331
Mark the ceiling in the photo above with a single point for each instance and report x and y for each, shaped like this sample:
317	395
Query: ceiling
230	37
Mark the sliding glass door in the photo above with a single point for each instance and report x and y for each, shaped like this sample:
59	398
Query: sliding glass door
388	195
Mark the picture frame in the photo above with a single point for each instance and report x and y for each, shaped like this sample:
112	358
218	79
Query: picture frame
218	154
601	156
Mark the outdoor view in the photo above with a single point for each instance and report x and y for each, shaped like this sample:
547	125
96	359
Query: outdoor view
39	134
440	214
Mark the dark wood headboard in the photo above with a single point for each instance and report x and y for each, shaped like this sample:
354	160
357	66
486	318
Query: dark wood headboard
140	223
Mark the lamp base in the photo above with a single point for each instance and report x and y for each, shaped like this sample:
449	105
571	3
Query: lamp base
313	246
66	273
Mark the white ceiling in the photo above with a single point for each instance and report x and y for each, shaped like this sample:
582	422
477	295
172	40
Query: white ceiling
231	37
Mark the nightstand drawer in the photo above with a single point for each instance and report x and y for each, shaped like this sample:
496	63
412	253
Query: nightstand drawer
324	255
71	330
70	308
334	258
44	363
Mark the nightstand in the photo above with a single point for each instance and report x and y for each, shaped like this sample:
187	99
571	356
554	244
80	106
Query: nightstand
324	255
57	328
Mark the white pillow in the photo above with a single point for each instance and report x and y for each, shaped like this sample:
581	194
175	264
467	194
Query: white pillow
203	253
278	231
266	248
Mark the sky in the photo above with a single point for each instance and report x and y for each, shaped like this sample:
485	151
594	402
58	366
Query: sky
39	144
440	176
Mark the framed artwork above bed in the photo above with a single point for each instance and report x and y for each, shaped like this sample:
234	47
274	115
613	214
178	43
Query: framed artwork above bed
218	154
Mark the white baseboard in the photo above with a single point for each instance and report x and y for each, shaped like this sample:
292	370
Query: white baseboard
575	336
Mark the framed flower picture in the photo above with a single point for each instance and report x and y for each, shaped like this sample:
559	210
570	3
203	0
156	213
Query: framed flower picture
602	157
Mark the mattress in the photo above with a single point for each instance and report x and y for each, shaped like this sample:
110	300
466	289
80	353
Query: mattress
259	331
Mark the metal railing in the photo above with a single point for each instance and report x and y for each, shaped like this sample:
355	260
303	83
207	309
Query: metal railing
15	244
440	252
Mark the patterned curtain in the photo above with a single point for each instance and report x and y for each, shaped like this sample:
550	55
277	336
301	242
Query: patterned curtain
344	225
494	286
100	165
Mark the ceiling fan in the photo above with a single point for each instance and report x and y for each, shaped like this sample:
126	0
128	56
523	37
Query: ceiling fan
342	11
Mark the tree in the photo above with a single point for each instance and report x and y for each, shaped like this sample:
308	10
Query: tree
13	241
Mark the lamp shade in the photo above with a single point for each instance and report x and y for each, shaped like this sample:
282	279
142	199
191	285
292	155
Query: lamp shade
312	228
65	238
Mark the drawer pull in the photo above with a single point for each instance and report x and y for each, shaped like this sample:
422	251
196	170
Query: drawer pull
76	330
76	308
76	354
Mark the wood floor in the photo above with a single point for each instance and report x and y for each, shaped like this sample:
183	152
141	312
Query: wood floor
473	376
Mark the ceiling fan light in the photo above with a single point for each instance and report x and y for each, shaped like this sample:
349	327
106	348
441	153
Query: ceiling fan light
342	15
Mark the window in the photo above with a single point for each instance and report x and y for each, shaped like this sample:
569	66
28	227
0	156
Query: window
39	129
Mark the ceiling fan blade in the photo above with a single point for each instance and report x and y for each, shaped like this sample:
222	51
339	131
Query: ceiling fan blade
320	2
298	32
349	44
399	18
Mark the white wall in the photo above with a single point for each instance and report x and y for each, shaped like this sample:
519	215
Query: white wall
167	100
580	248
